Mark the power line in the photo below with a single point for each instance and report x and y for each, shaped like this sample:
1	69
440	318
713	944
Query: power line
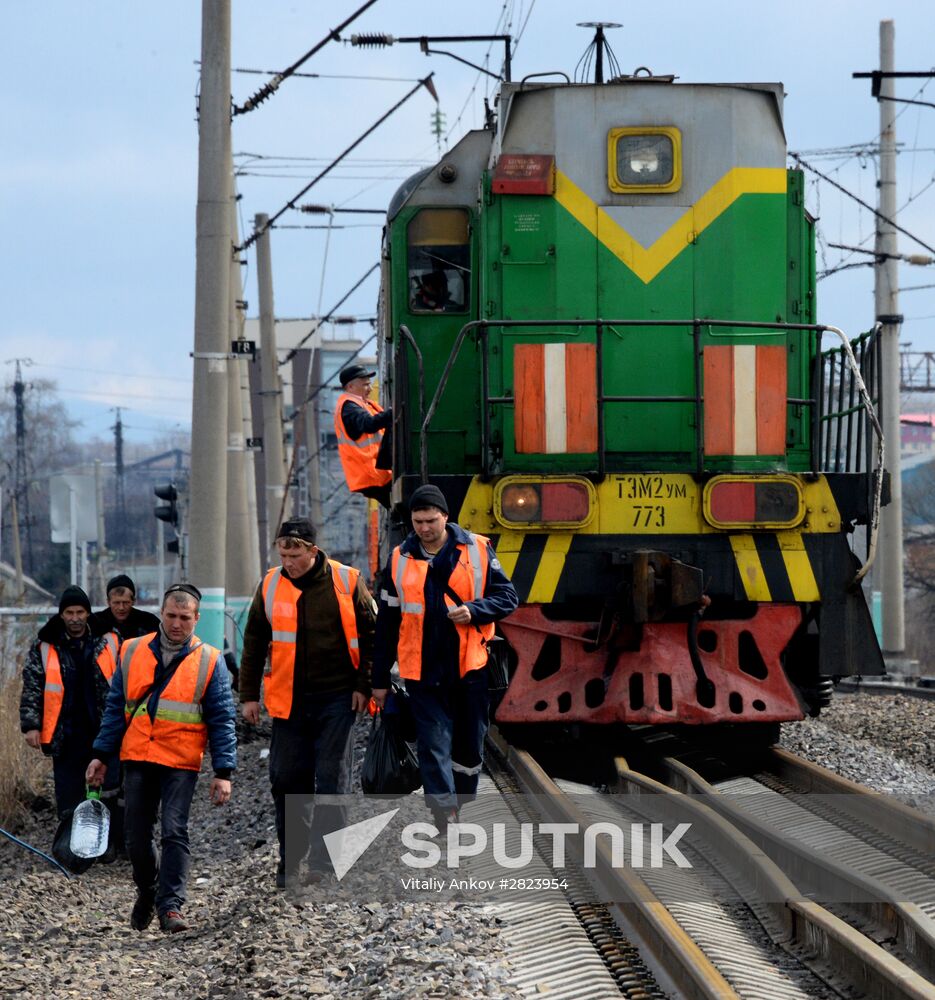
324	319
798	159
330	76
271	86
426	82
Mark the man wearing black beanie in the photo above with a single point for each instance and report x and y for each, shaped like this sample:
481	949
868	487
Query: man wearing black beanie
120	615
443	590
66	679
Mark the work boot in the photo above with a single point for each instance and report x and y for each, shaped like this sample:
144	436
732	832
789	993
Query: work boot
171	922
144	909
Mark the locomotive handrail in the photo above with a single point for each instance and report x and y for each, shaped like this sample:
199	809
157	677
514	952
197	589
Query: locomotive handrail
423	452
599	324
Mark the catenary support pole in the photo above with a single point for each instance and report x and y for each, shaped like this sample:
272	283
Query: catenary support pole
243	568
207	526
886	302
271	391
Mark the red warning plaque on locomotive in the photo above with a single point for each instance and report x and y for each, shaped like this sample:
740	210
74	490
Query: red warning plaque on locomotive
524	173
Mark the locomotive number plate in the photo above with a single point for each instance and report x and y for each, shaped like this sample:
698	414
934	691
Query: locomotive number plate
654	503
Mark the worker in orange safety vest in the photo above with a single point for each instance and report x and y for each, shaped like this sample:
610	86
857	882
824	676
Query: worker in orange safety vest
309	639
170	699
66	680
443	589
364	445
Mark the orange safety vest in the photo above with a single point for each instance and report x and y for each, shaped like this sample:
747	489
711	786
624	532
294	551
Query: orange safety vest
53	695
359	458
467	581
178	735
281	600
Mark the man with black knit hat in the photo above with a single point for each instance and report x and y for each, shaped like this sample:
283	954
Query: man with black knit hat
314	618
443	590
66	680
120	615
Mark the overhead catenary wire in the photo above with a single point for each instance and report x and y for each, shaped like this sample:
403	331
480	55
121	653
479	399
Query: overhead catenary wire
798	159
271	86
324	319
425	82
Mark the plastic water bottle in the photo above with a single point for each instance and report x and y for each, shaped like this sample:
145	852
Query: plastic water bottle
90	826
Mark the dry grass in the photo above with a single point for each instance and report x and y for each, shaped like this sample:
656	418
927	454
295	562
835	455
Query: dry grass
22	769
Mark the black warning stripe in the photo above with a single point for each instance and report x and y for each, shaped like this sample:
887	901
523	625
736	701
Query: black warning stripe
774	568
527	565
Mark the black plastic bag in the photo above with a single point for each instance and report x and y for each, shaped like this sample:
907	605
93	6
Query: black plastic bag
390	766
61	847
399	706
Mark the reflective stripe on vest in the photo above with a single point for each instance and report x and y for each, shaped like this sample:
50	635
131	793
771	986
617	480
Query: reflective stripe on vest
359	458
467	580
280	600
177	735
53	692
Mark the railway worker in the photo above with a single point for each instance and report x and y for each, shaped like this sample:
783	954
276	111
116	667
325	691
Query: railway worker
66	680
432	294
443	589
120	615
315	618
169	700
364	446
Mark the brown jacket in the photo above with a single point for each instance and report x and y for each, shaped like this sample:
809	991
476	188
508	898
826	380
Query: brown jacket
323	665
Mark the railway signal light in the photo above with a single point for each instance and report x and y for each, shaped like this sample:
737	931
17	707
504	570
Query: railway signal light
169	510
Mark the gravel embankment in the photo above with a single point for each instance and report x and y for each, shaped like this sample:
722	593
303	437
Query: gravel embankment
882	741
71	937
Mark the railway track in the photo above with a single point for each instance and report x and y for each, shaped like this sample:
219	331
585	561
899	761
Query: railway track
738	925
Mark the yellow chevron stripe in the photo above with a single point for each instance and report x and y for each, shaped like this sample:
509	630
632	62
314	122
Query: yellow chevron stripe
647	262
550	568
798	566
750	568
508	546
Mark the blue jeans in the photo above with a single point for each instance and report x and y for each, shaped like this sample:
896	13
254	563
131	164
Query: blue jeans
451	722
309	753
146	788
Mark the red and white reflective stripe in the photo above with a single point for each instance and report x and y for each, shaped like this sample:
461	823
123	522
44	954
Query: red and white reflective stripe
555	388
744	400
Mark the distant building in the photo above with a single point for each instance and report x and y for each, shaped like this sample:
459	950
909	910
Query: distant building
917	433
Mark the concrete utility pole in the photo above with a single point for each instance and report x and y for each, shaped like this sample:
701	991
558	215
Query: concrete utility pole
313	437
243	567
886	305
271	392
208	503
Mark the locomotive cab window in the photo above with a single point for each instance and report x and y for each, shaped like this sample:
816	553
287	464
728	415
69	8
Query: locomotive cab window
439	261
644	160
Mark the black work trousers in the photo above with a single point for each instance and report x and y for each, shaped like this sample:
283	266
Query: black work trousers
310	752
148	789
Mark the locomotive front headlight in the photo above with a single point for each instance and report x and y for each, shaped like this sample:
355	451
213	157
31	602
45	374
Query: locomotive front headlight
520	503
565	502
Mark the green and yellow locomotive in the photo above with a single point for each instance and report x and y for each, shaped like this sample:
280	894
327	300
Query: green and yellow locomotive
599	339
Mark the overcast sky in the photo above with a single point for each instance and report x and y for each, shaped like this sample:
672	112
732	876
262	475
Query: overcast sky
98	177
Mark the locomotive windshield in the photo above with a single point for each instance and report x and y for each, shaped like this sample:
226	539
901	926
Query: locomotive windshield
439	260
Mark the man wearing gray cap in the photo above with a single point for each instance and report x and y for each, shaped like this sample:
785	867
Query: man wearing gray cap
359	424
314	618
443	589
